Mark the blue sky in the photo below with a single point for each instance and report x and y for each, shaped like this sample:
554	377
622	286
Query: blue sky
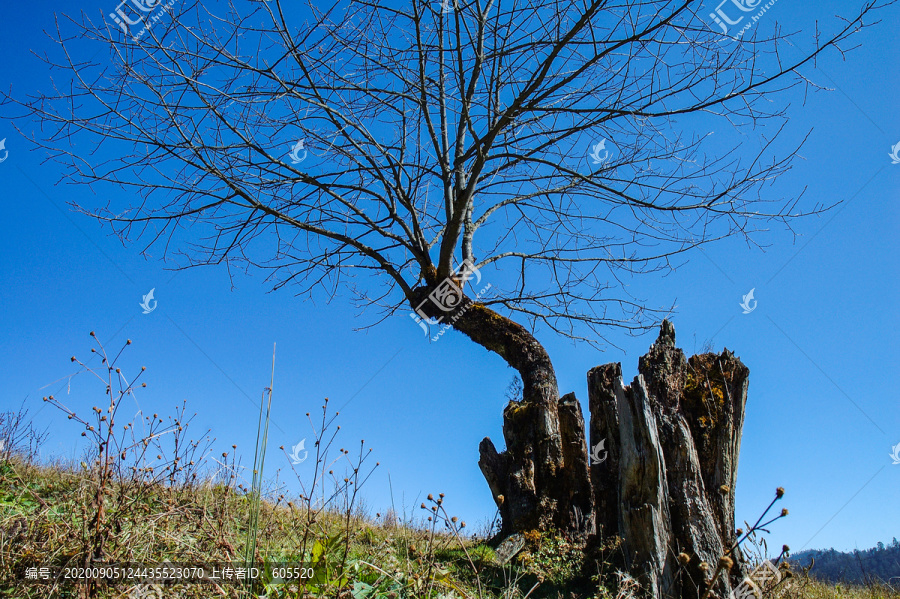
823	410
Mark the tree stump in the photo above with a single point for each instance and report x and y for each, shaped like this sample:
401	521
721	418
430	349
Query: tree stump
663	471
668	485
541	481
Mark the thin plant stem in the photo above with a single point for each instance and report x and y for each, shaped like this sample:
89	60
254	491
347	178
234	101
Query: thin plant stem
259	461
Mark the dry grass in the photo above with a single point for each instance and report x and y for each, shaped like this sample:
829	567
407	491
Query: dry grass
43	510
818	590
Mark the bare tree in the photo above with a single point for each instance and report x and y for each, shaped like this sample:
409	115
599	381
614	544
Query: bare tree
435	134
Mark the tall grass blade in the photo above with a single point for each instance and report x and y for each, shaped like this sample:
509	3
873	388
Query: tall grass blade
259	461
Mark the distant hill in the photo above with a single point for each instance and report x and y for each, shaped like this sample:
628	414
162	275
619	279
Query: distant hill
881	562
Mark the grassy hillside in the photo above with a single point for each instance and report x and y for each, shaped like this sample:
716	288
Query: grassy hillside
46	519
46	515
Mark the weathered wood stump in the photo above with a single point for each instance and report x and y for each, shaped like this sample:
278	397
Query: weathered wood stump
541	481
663	473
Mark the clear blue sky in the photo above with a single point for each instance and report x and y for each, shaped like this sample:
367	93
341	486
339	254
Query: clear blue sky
823	410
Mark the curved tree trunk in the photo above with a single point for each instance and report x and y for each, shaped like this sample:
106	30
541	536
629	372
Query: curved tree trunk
541	480
665	453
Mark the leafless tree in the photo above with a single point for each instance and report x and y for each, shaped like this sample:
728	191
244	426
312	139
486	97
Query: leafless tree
555	146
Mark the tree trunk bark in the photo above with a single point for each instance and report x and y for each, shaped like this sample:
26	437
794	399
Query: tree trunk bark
662	464
668	485
541	480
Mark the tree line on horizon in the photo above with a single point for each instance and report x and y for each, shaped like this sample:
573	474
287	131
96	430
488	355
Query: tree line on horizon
881	562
